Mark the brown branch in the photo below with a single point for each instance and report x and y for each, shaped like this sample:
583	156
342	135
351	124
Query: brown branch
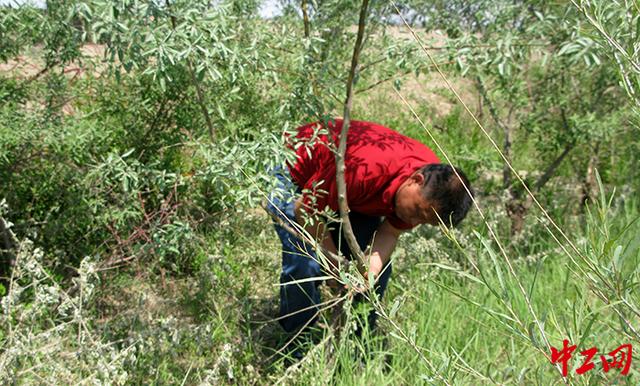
546	176
196	84
31	79
305	18
442	48
8	244
377	61
506	129
203	106
46	69
393	77
280	49
340	155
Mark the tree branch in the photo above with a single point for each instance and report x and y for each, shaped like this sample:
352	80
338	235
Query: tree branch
506	129
443	48
393	77
548	173
201	102
196	84
7	245
305	18
383	80
342	148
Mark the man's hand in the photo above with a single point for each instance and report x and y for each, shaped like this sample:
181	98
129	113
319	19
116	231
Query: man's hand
380	252
335	287
338	288
361	288
332	283
378	256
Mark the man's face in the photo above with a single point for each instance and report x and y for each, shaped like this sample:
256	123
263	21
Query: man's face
411	206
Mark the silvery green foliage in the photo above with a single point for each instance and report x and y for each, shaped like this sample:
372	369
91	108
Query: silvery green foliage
23	26
152	37
18	30
145	199
42	323
49	333
237	171
545	78
222	370
613	25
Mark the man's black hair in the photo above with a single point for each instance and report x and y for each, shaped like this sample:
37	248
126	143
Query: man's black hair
442	185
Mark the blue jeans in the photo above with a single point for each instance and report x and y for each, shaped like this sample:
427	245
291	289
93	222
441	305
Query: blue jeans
298	257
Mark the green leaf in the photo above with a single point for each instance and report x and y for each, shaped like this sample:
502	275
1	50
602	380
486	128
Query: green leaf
394	308
532	334
494	260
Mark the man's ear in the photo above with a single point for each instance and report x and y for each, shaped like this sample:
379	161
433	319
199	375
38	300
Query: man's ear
418	178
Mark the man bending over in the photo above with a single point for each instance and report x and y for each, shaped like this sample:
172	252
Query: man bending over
394	183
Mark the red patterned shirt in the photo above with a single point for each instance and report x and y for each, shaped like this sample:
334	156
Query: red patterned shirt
378	160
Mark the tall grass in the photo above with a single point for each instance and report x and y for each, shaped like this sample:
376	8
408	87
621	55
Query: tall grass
465	320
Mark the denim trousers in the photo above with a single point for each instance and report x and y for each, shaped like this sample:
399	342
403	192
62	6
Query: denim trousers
299	301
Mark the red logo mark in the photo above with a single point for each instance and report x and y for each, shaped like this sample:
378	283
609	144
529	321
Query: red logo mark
620	358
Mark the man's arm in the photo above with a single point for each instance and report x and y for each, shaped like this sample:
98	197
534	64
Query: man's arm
383	245
379	253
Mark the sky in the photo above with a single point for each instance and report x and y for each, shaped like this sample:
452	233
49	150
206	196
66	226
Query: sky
39	3
269	8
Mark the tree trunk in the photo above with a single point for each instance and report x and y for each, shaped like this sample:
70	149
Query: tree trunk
7	256
590	183
517	209
506	130
305	18
196	84
342	147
